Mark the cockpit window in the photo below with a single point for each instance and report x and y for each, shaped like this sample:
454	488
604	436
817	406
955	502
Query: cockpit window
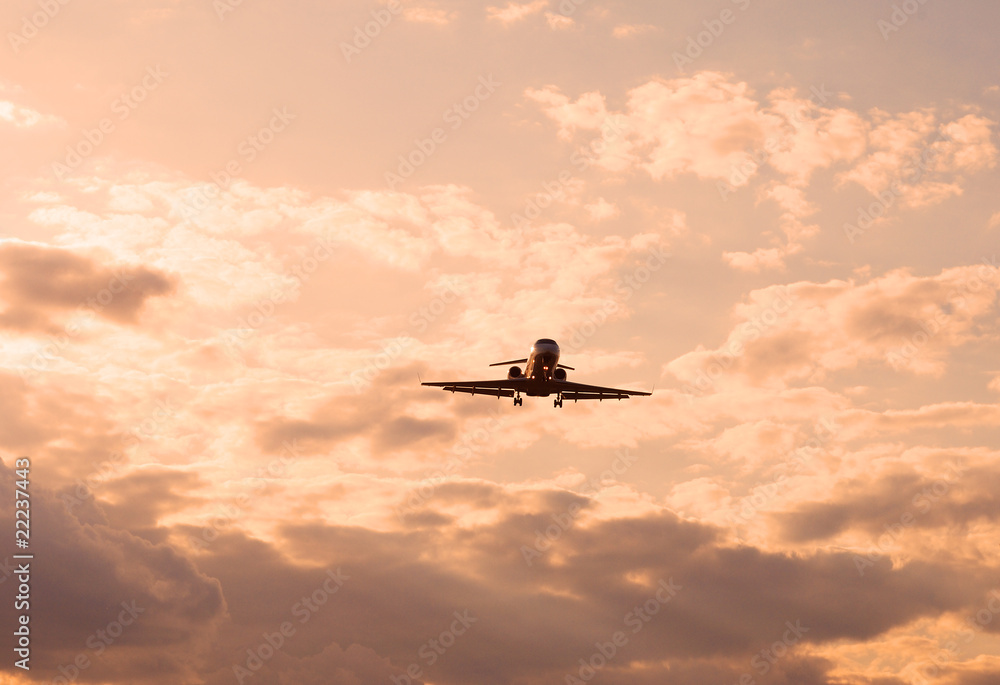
545	341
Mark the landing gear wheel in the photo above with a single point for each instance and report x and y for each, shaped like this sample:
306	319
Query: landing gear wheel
557	402
518	401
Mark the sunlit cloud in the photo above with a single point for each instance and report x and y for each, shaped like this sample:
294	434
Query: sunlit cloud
218	302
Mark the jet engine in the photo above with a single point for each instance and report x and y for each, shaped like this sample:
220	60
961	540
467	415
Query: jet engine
559	374
515	372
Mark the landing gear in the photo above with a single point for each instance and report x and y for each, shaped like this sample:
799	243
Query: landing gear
518	400
557	402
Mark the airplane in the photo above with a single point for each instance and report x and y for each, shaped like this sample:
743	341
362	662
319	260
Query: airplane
543	375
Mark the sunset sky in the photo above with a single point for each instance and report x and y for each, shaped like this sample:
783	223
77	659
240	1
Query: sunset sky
234	233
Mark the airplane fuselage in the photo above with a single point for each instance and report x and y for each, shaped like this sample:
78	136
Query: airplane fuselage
542	362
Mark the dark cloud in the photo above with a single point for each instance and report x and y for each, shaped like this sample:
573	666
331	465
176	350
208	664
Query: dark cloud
347	417
406	430
141	497
39	281
986	677
955	497
533	623
150	601
70	432
779	353
70	427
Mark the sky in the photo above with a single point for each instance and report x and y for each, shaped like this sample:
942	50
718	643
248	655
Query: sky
235	234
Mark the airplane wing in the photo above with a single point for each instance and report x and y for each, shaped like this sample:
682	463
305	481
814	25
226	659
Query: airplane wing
580	391
491	388
512	361
507	388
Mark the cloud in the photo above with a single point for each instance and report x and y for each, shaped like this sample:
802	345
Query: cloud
429	15
40	281
903	321
87	576
898	502
761	259
24	117
588	112
404	588
922	160
813	135
712	127
19	115
559	22
602	209
515	12
629	30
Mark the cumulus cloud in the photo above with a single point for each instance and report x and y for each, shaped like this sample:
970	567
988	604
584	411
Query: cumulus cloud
602	209
895	503
14	113
515	11
664	583
761	259
921	159
559	22
629	30
429	15
715	128
40	280
806	330
88	576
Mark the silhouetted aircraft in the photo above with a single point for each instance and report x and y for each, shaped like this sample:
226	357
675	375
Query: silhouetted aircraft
543	376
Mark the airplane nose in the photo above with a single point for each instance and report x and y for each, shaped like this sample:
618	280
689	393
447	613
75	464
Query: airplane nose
546	345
